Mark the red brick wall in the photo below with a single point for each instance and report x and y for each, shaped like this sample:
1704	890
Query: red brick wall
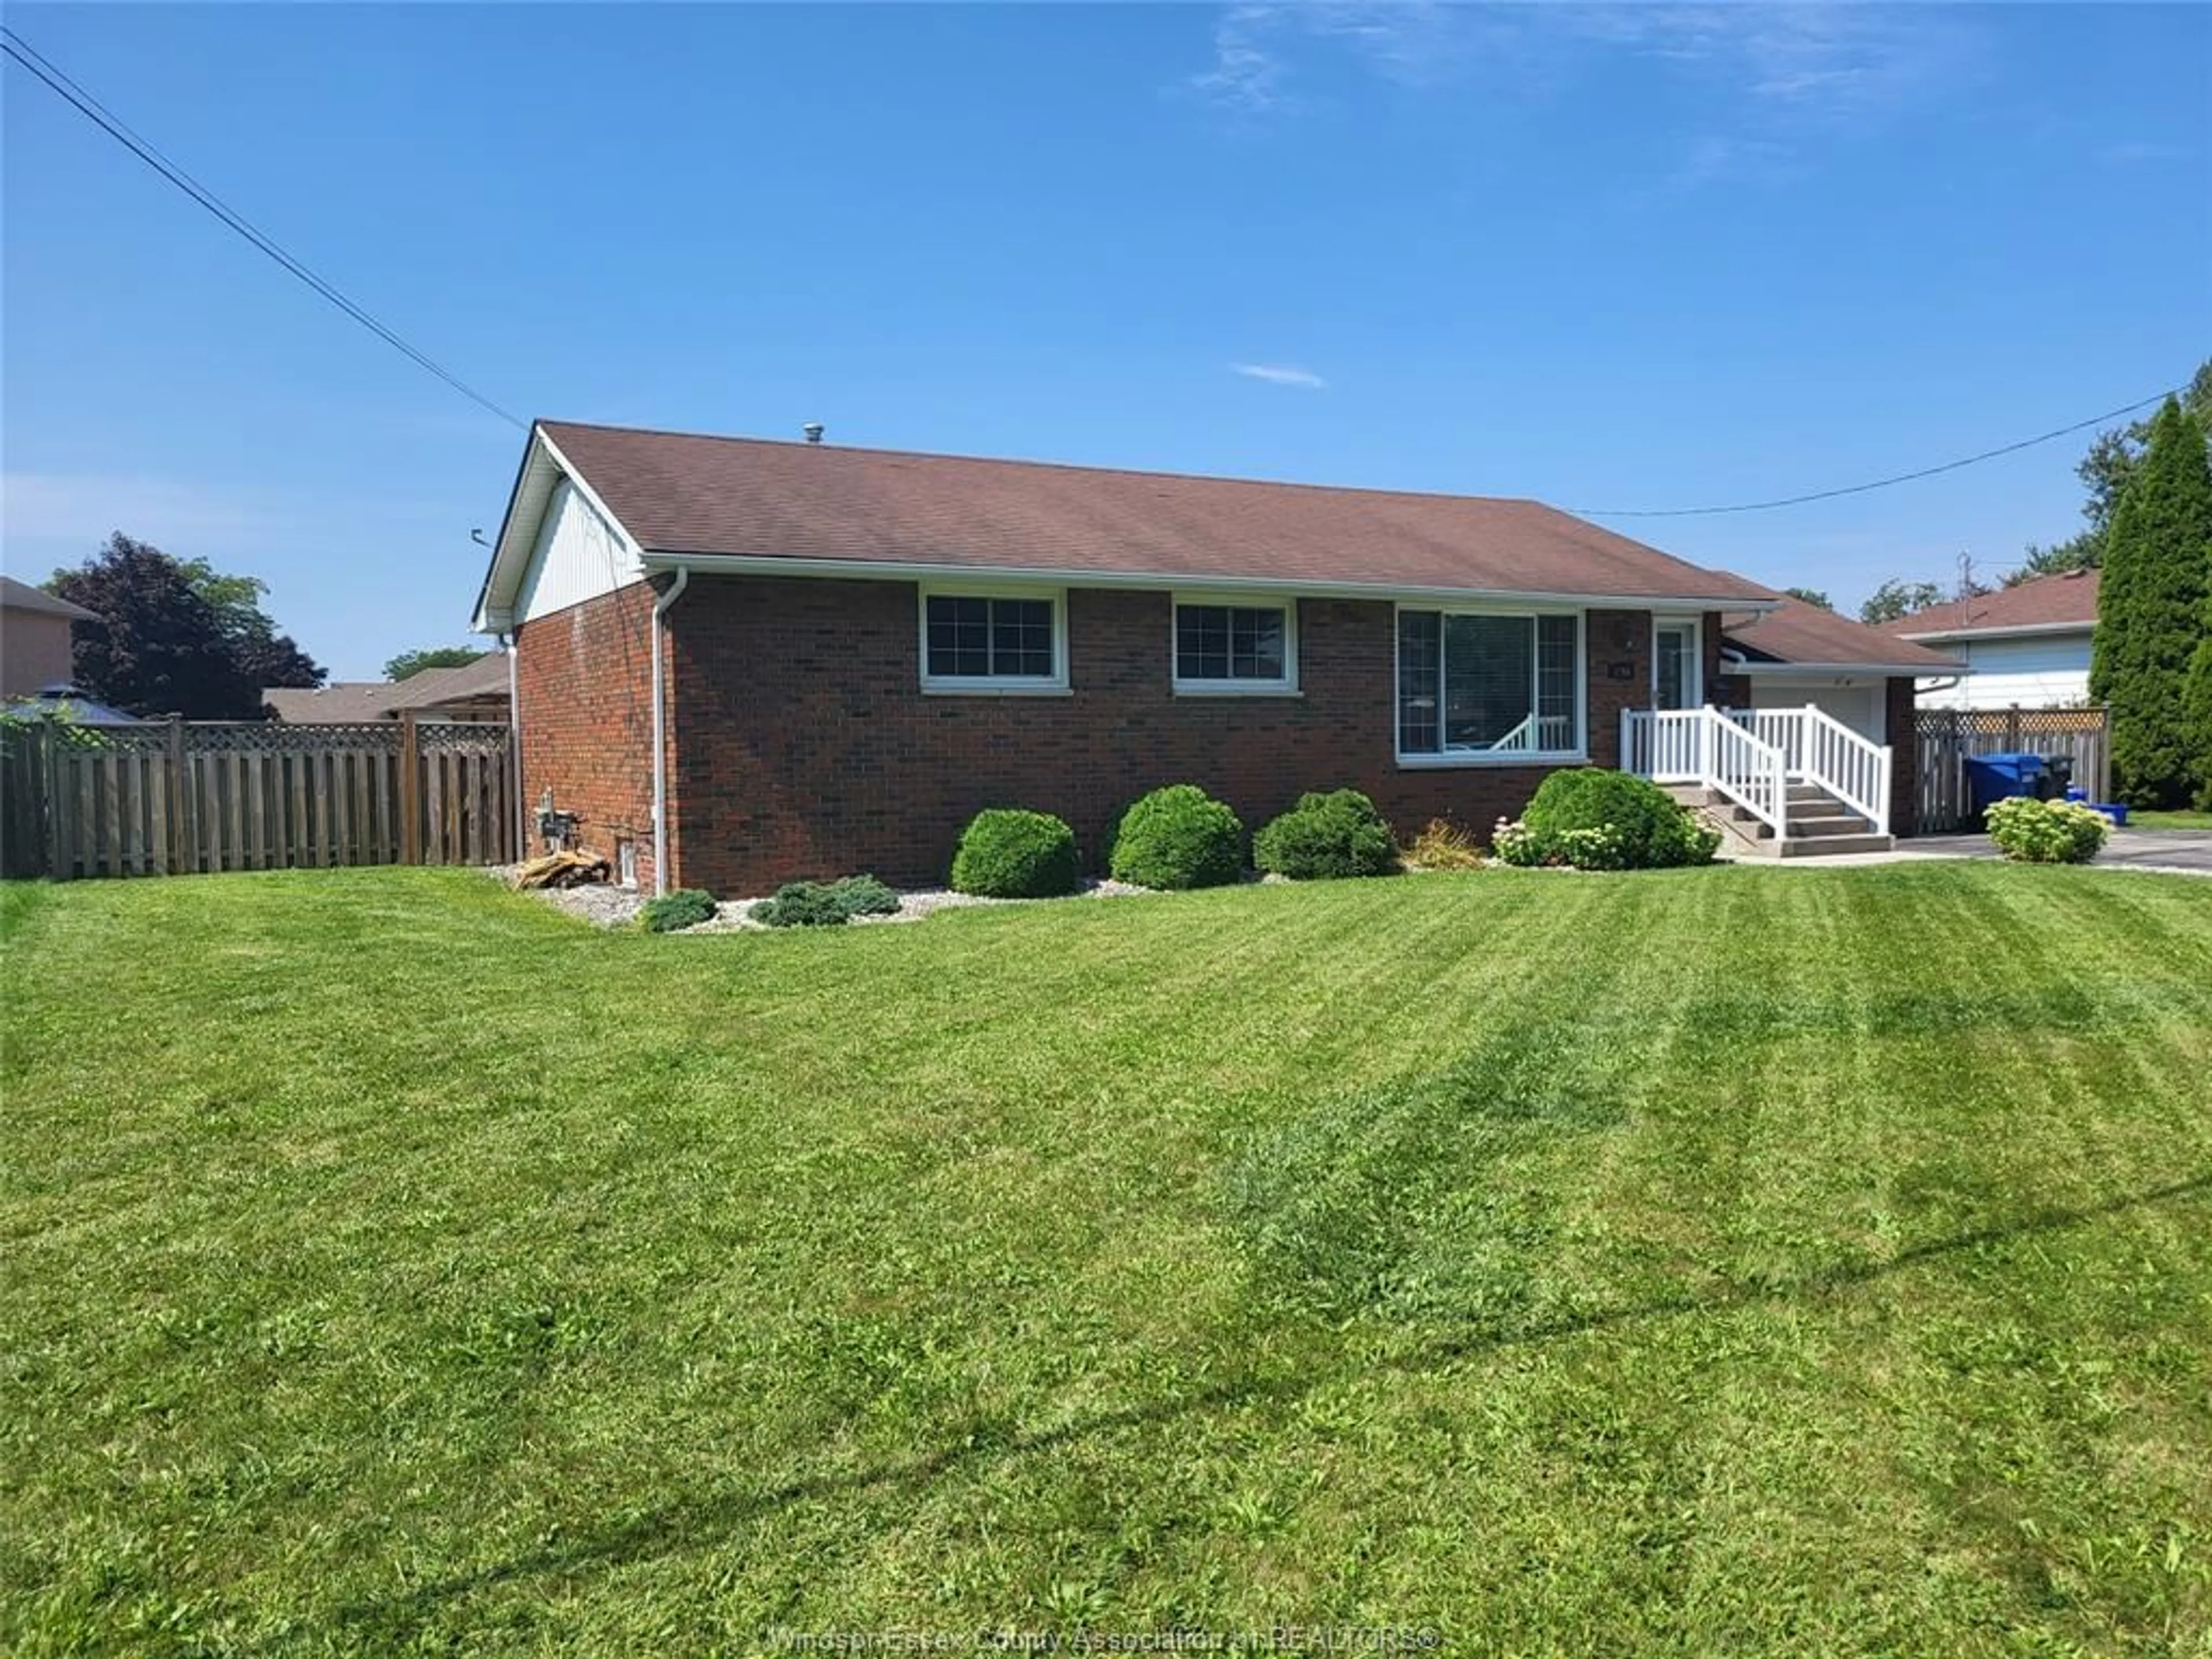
803	746
581	680
1904	758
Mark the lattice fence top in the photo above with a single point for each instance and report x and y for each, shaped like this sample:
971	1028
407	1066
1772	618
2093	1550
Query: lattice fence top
68	734
275	736
460	736
2012	719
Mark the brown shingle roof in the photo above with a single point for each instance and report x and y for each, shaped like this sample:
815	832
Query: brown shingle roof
342	703
2066	600
1805	634
485	677
679	494
21	595
345	702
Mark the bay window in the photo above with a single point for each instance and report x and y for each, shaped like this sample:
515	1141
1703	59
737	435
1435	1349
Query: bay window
1485	685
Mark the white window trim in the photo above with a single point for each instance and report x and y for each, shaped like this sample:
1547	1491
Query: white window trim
1693	693
1054	684
1286	687
1578	755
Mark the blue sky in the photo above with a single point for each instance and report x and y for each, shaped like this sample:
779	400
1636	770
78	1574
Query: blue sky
1647	256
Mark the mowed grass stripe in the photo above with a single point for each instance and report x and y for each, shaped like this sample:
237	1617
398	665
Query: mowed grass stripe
1753	1259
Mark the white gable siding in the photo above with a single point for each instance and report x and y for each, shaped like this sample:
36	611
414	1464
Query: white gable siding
1858	704
579	556
2033	671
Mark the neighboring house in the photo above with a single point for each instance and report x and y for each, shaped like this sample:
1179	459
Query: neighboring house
815	660
2026	647
35	638
63	702
1800	653
474	691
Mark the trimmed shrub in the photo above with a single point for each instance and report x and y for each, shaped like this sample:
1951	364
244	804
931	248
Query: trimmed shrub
1327	835
1444	846
687	906
864	896
1654	832
1007	852
826	904
2046	831
1179	836
804	904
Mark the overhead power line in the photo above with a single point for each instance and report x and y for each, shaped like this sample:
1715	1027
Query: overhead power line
1876	483
91	108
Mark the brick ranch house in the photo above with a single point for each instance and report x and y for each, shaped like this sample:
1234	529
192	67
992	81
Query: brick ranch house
740	662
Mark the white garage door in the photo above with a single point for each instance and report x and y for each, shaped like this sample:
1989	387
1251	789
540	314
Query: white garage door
1858	704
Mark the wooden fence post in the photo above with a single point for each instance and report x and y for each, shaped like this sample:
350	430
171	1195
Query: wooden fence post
180	852
410	792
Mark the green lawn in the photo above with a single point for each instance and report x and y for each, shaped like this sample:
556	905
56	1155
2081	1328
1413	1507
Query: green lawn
2170	820
1746	1260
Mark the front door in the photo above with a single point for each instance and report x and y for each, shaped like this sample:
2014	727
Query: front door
1674	665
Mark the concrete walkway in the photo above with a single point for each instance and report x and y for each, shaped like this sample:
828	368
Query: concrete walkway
2167	852
2187	852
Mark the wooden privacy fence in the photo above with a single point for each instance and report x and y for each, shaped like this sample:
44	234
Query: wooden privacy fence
1948	737
179	797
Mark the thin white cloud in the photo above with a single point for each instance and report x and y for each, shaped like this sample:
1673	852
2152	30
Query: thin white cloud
2131	151
83	507
1723	159
1813	59
1281	374
1247	74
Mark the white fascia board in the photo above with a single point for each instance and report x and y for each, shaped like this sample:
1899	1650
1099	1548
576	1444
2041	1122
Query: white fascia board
735	564
2015	631
544	466
1827	669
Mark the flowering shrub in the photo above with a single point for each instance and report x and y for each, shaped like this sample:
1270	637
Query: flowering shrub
1600	847
1653	832
1515	843
2046	831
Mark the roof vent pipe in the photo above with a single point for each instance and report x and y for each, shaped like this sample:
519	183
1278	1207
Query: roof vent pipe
813	431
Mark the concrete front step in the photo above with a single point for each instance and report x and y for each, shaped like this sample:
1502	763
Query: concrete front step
1823	847
1834	823
1813	833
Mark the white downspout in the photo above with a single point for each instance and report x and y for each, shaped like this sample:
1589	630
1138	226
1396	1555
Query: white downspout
511	644
660	734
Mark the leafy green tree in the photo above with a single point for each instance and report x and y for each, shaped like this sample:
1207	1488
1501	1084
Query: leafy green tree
159	646
1896	597
1812	596
176	636
407	664
2084	552
2104	471
2197	705
2150	611
267	657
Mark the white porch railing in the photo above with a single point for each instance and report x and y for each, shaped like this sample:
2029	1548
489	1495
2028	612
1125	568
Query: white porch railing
1705	747
1545	732
1819	749
1753	754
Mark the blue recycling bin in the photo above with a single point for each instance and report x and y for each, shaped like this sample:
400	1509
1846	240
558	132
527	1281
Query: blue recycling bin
1992	778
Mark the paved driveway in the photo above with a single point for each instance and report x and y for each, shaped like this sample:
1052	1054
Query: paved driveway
2153	849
